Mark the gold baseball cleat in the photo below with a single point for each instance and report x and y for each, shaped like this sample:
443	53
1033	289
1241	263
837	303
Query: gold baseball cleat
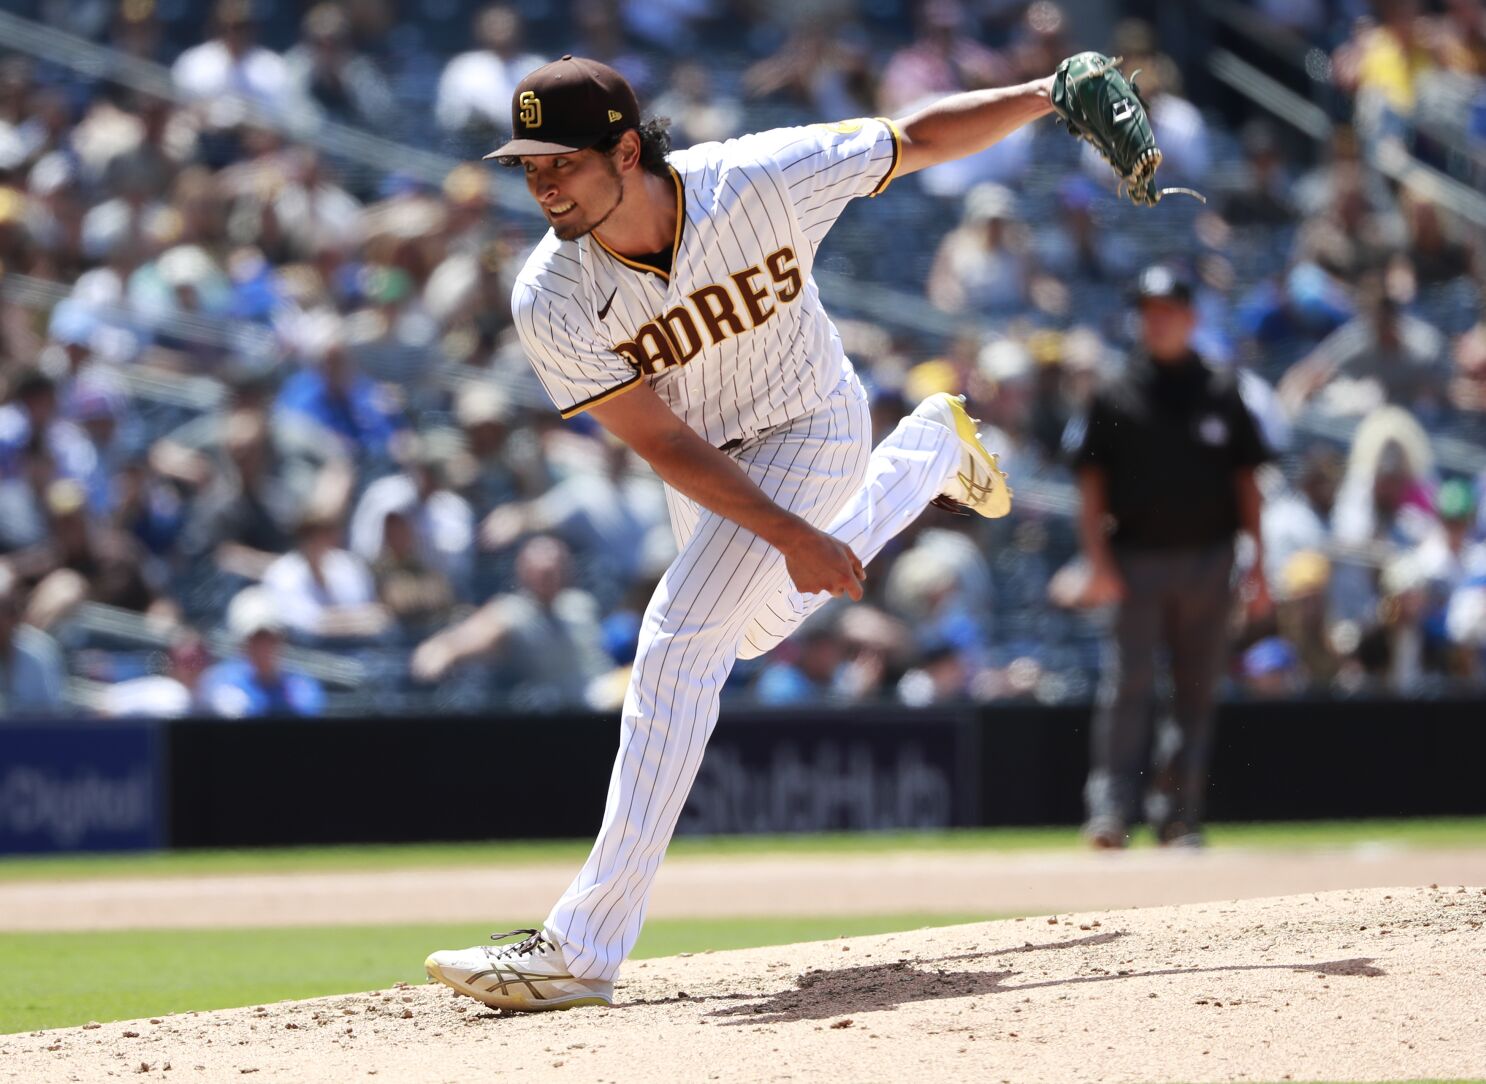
979	485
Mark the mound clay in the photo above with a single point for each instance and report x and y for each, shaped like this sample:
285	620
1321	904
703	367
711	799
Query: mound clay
1356	985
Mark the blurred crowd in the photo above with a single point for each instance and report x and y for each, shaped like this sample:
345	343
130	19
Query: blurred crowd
1417	70
268	443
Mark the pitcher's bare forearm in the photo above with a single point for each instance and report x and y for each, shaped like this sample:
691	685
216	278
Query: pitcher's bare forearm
814	560
964	124
694	468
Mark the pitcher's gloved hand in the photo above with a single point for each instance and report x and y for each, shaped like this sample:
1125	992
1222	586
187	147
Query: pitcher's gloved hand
1100	105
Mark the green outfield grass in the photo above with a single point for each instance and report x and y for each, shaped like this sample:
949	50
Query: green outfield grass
63	979
1433	832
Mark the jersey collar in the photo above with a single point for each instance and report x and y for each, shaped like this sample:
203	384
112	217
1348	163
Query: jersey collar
675	243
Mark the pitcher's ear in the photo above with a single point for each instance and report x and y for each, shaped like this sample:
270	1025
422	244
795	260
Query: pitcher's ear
628	150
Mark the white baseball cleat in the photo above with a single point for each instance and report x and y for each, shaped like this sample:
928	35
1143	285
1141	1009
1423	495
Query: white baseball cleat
528	976
979	484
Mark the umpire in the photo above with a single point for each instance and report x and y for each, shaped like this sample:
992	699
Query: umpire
1165	461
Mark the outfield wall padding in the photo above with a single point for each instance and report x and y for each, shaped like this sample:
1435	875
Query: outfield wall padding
284	782
209	783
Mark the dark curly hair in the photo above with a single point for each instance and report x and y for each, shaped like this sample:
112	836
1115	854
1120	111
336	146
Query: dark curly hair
655	144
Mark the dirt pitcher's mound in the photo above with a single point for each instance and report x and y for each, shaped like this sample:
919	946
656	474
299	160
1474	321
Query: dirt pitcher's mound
1355	985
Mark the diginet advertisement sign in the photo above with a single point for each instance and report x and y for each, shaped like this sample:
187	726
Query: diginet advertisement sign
79	787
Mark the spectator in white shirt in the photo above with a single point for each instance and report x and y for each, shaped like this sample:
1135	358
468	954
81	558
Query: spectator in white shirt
170	695
1465	620
321	591
313	211
982	265
476	87
230	68
440	518
1452	554
1297	519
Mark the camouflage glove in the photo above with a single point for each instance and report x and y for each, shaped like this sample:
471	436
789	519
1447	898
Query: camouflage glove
1097	104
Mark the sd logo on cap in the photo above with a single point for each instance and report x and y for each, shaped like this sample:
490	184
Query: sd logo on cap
568	105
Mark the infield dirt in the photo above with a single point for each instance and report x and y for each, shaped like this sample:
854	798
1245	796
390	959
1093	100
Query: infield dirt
1379	984
988	883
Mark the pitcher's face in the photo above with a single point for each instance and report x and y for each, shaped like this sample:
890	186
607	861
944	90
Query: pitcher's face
577	191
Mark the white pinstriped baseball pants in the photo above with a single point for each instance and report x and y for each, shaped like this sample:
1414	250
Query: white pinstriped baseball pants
727	596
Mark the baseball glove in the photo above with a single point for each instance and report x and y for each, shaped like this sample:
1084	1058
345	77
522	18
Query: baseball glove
1098	104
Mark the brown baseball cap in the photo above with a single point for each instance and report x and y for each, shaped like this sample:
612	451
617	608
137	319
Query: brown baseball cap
568	105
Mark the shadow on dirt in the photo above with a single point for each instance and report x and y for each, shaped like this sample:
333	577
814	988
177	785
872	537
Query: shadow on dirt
822	994
886	969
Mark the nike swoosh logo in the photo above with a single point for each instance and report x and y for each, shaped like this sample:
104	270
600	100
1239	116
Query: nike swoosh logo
603	312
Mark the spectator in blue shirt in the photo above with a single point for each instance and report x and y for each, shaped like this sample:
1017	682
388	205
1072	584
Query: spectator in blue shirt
255	684
352	406
810	677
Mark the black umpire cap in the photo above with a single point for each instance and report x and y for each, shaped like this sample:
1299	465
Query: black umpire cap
1162	281
568	105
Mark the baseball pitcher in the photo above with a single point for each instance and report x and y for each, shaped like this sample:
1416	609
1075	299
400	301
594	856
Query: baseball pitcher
673	299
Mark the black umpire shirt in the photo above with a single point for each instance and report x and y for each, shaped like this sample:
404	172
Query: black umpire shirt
1170	438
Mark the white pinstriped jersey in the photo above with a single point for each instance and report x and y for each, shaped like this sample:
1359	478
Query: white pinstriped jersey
734	339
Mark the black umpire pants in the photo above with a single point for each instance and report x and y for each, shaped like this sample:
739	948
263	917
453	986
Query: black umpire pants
1179	599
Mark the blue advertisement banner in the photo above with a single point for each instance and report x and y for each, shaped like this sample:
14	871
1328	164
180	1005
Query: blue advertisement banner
80	787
